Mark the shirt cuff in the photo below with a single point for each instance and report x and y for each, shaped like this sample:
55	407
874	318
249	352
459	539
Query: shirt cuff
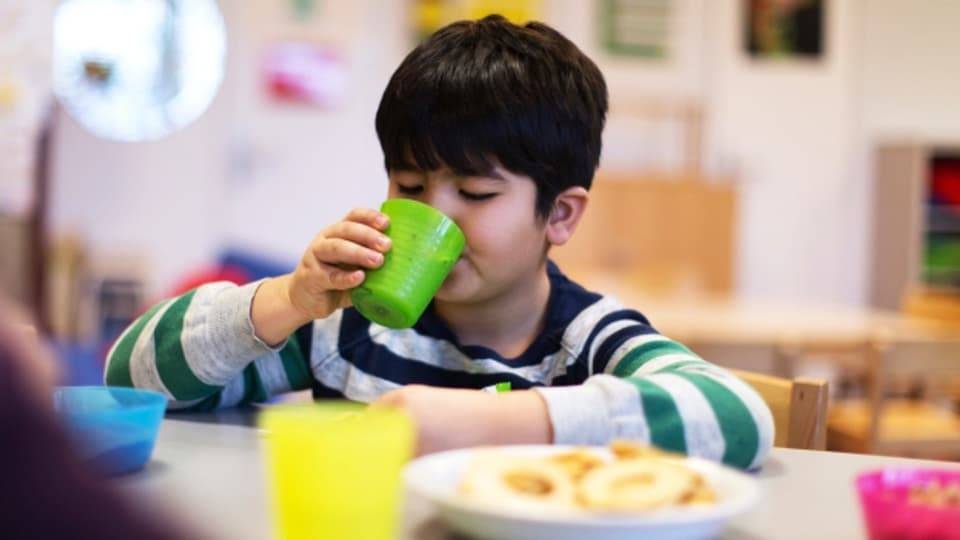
602	408
253	332
231	319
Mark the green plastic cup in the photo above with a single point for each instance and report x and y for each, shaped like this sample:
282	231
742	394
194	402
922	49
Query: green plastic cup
425	246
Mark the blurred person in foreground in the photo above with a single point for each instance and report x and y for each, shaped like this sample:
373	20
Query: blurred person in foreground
45	491
499	127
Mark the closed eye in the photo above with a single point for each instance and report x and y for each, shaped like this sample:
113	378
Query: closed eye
409	190
477	196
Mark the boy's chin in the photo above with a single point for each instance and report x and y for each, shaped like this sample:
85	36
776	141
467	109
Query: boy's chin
455	289
449	292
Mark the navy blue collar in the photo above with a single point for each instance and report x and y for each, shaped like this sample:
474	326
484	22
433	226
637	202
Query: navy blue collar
567	299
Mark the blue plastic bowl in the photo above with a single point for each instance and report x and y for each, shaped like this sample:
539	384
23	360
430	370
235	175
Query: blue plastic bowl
115	428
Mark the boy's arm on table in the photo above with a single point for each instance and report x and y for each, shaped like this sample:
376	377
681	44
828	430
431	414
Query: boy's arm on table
448	418
651	389
201	351
655	389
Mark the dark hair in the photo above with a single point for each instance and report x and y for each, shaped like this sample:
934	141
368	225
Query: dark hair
478	93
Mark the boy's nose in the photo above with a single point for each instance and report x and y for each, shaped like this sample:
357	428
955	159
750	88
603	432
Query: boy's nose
443	198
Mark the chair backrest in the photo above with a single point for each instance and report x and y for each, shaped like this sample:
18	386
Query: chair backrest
799	408
930	359
926	357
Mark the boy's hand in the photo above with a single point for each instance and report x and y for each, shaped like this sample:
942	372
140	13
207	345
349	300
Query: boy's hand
452	418
332	264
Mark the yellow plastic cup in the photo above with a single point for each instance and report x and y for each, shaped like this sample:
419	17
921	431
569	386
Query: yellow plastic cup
335	469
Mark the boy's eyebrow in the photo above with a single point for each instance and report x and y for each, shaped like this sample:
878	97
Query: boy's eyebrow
406	167
492	174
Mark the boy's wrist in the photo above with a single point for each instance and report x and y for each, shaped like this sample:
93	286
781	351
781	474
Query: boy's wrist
273	315
520	417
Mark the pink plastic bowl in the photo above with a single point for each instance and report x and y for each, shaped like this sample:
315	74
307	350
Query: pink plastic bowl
890	514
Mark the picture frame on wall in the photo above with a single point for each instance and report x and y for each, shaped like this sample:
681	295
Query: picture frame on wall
635	28
784	29
305	73
428	16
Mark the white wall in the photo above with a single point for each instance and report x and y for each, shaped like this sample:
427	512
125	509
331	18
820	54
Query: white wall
247	173
634	136
788	126
802	136
798	134
911	70
160	199
309	166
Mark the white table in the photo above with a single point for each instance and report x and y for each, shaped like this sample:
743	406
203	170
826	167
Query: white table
208	470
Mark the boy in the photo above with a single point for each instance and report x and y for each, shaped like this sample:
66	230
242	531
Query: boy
499	127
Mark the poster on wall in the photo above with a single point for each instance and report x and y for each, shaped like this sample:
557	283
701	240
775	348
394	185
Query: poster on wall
784	28
307	61
430	15
304	73
302	9
636	28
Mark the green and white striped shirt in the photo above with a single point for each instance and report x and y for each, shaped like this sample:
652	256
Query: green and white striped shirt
602	369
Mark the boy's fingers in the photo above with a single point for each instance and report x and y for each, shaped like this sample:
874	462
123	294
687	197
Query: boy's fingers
340	278
368	216
335	251
361	234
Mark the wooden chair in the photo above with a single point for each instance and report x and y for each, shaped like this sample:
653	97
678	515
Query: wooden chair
887	424
799	408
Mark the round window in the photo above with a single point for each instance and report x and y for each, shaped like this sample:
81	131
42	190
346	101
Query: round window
136	70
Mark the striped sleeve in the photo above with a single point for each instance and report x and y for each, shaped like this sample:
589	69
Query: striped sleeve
200	350
645	386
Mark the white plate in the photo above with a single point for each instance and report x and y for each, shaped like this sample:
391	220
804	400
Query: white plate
435	477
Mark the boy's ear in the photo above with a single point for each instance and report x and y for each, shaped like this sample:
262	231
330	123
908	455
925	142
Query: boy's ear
568	208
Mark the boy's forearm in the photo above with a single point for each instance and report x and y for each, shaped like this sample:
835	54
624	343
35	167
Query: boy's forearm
520	417
448	418
273	316
200	350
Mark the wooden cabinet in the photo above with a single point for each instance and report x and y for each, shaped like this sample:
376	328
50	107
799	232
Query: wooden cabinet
916	224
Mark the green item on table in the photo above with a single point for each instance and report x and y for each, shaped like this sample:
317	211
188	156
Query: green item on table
497	388
425	246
